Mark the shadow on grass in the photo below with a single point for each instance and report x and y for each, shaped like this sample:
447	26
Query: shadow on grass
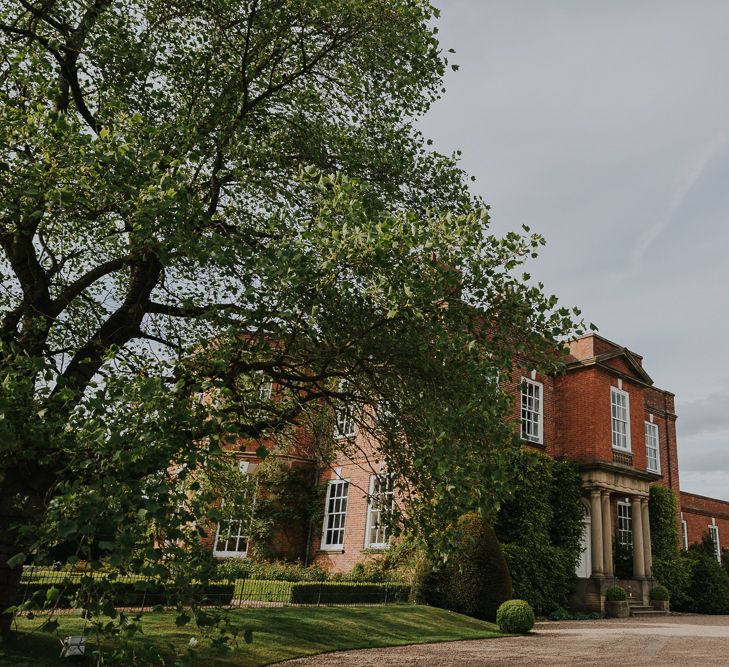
278	634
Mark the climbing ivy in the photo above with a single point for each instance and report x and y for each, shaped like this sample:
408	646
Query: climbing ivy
540	525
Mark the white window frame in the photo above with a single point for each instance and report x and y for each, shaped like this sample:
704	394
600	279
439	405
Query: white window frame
344	424
532	417
625	524
230	523
620	441
714	533
332	510
377	499
684	534
238	535
265	387
652	443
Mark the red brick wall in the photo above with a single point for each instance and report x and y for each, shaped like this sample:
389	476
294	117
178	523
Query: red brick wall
699	512
584	426
358	471
660	404
549	416
582	417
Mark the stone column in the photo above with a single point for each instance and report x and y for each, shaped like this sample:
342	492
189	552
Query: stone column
638	551
607	535
596	510
647	548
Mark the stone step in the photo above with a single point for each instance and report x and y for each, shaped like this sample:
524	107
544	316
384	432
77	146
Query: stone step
647	612
640	607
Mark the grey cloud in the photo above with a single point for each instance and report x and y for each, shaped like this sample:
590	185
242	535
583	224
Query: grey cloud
605	126
705	415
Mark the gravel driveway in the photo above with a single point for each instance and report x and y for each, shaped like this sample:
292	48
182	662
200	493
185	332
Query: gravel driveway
672	640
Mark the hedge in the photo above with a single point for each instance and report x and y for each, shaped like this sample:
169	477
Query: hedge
262	590
333	592
124	593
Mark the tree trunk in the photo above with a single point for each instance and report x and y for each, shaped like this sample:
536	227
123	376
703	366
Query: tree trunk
9	588
29	481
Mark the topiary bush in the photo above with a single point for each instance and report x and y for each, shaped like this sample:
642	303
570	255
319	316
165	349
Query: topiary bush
615	594
515	617
475	580
660	593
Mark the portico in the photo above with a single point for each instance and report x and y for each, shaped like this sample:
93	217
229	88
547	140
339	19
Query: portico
607	485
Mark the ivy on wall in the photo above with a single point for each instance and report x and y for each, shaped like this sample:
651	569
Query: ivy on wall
540	526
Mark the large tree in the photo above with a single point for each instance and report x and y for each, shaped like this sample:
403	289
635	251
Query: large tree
198	192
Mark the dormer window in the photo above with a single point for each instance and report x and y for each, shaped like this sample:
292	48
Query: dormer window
532	411
620	411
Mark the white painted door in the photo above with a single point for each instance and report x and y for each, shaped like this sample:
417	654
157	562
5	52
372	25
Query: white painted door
584	567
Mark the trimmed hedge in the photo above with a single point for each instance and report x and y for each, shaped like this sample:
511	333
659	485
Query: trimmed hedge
515	617
62	593
660	593
261	590
333	592
615	594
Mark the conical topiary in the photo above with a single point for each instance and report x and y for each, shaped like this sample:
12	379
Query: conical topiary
475	580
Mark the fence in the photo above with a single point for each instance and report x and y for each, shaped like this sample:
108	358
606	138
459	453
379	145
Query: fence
61	590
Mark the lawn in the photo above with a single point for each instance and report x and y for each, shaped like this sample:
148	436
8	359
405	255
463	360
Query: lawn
278	633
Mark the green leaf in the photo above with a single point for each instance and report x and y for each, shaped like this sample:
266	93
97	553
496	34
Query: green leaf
16	560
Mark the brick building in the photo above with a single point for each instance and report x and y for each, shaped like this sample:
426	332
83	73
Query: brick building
604	413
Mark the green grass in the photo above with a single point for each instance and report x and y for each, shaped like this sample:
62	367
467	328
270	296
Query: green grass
278	633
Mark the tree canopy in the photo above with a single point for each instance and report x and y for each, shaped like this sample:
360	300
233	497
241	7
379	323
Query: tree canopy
197	195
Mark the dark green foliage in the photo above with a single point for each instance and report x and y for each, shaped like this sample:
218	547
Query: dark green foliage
72	593
332	592
475	580
424	588
540	526
515	617
561	614
615	594
245	568
660	593
670	567
675	574
708	592
664	523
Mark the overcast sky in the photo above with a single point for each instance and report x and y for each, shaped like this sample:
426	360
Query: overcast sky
605	127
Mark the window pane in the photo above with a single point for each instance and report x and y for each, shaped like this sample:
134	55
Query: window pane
381	500
336	513
531	411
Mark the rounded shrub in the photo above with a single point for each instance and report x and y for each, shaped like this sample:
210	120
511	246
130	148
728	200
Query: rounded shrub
615	594
475	580
660	593
515	617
